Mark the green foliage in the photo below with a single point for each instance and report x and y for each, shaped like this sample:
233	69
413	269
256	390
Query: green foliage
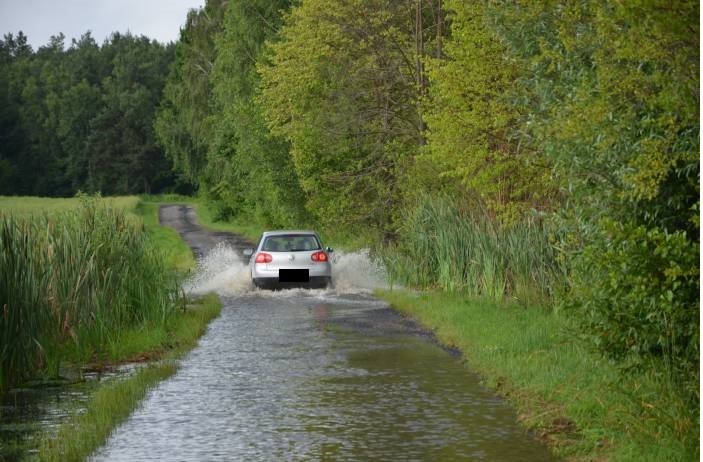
461	249
123	156
81	118
471	113
339	87
613	92
183	124
80	277
647	307
250	172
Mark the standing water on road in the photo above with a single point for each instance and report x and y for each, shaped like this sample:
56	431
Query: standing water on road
315	375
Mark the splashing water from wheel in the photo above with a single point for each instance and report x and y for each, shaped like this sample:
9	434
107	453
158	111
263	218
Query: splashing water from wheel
225	272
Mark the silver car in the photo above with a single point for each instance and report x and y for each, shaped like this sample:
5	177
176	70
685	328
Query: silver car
290	259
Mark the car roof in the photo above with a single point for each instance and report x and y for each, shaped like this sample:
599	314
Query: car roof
289	231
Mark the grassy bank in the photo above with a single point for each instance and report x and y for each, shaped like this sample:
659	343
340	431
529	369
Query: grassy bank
579	403
110	405
177	255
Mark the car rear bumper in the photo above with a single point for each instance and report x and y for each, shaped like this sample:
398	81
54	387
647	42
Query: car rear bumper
315	282
261	271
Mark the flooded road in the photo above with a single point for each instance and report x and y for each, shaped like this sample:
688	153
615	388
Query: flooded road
313	375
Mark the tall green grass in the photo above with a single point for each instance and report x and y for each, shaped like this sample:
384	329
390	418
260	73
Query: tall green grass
77	277
442	245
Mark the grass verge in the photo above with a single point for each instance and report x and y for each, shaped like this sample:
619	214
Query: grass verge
111	404
177	254
577	402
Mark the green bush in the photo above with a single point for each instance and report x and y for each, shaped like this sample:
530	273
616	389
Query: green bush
638	297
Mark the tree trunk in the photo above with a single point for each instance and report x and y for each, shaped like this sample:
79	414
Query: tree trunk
419	67
440	29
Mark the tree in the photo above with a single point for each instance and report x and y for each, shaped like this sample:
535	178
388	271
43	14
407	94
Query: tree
122	151
81	118
14	53
472	116
183	123
340	86
254	174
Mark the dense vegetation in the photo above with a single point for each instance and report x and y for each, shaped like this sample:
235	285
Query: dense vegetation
81	118
521	150
544	151
73	284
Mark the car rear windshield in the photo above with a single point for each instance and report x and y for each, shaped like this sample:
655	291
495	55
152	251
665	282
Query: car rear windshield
291	243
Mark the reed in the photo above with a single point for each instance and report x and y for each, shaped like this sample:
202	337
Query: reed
442	245
80	276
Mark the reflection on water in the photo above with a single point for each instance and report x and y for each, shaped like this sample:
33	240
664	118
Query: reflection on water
319	375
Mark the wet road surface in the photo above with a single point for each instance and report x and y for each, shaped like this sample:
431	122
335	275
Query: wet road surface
315	375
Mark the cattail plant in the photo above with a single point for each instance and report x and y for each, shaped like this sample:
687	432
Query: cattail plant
80	276
444	246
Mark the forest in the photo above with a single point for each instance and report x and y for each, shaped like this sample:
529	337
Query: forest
544	152
80	118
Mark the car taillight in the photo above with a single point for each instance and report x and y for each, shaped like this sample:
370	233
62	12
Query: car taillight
319	256
262	257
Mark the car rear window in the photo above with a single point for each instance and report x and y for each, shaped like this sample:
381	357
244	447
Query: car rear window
291	243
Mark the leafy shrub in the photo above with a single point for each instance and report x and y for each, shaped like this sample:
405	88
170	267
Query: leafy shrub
638	294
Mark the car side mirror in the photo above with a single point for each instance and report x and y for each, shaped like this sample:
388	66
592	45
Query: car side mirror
329	249
248	252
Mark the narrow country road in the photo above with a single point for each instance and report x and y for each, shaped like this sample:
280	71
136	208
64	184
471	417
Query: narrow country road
315	375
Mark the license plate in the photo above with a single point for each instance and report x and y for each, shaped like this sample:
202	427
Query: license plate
293	275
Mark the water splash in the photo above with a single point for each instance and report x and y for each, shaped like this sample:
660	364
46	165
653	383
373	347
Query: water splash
223	271
357	271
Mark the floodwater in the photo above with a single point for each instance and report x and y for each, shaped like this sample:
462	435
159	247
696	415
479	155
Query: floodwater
28	412
314	375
